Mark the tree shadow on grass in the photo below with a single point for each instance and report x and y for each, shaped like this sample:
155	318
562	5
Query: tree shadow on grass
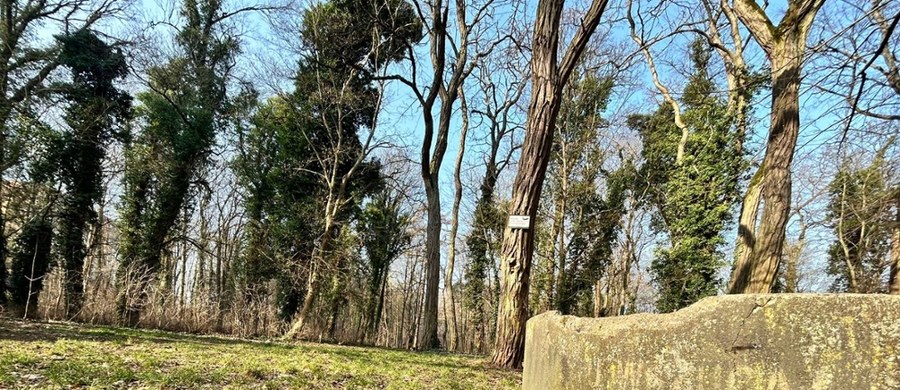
28	331
386	356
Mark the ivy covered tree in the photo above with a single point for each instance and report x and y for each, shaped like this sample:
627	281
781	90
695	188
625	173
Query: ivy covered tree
384	235
30	206
585	200
596	224
186	106
31	258
693	200
482	245
304	161
27	61
69	157
861	213
255	170
96	113
338	100
279	201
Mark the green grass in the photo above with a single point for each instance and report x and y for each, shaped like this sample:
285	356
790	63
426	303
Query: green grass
64	355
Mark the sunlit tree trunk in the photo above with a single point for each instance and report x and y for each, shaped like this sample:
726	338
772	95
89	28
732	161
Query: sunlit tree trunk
765	253
313	283
427	338
450	302
548	80
747	225
784	46
894	286
518	244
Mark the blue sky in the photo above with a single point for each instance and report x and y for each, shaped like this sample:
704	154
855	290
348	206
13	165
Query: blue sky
268	60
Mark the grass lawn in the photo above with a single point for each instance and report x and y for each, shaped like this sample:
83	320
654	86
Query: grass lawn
65	355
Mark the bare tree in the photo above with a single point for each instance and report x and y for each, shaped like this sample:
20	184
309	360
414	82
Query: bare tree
450	66
502	78
894	282
548	79
332	156
785	46
450	302
644	46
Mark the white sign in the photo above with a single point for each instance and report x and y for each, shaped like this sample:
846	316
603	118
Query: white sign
519	222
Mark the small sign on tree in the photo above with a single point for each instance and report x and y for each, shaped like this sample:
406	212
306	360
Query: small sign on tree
519	222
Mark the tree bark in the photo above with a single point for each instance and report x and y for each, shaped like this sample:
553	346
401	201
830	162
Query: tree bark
427	334
450	302
320	257
516	253
784	46
747	227
765	253
894	284
379	308
518	244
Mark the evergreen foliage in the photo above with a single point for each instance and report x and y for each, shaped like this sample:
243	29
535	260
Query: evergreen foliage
97	111
384	234
31	258
482	244
186	106
588	200
860	213
693	201
294	140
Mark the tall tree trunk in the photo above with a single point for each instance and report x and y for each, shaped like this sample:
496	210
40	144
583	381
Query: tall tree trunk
320	257
766	251
312	290
894	284
372	301
73	252
427	334
516	253
407	290
518	244
450	302
417	309
747	226
379	308
784	46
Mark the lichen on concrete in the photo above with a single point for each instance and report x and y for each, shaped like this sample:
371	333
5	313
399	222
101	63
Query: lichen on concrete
784	341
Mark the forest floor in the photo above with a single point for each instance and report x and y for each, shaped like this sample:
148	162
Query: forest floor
68	355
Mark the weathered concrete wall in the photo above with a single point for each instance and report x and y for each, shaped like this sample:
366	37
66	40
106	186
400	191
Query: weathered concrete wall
786	341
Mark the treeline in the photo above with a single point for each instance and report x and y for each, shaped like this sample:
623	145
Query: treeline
169	182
